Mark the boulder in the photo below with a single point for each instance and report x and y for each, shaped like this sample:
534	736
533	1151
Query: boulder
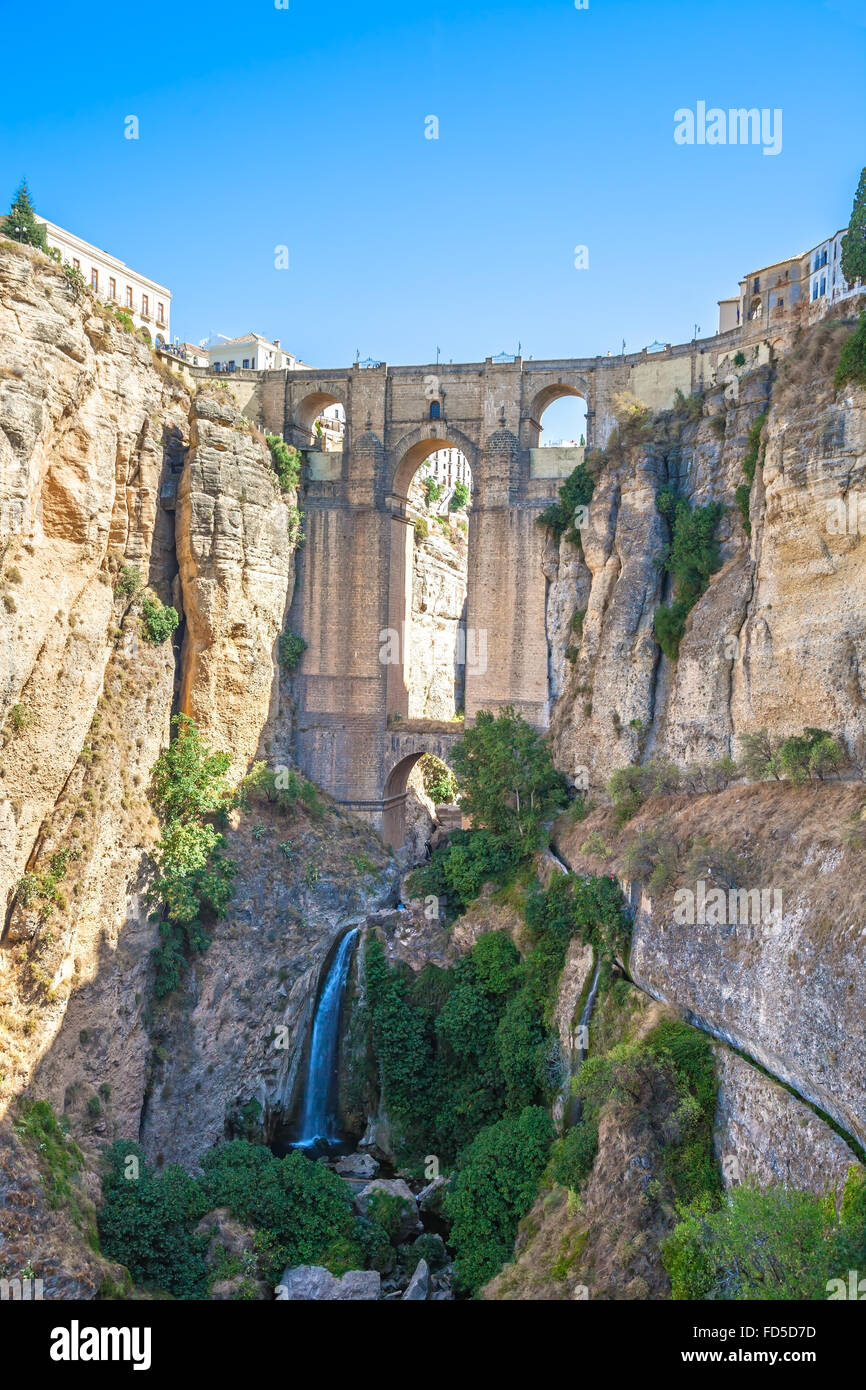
313	1283
357	1166
399	1208
419	1285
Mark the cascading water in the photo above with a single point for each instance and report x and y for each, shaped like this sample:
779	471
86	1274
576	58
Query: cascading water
318	1119
586	1013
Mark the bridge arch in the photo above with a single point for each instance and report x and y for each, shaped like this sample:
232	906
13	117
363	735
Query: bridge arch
406	748
553	391
418	444
308	409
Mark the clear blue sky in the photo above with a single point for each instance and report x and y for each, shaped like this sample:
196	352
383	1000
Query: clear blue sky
305	127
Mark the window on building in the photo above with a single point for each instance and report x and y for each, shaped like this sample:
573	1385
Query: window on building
76	263
160	313
145	304
253	363
94	279
112	288
435	410
246	362
823	284
757	285
129	296
815	290
231	366
779	302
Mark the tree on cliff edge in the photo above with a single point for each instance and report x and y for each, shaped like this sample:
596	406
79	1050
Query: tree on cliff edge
854	240
20	224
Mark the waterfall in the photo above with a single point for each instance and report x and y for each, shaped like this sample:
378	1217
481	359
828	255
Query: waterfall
318	1120
586	1012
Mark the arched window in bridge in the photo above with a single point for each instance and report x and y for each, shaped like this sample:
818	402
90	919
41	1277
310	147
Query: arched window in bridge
435	410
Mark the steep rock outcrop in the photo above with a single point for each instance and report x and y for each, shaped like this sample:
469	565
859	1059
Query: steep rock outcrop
236	557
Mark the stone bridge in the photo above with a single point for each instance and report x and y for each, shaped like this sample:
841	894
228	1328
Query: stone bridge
352	600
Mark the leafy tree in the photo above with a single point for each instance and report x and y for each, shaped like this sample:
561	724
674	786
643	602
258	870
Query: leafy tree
459	497
853	260
20	223
301	1212
189	780
506	777
432	490
402	1037
495	1187
147	1223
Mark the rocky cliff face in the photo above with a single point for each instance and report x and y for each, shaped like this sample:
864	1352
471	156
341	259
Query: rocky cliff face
778	640
236	557
113	476
438	613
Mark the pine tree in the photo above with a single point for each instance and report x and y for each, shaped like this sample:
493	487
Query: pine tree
20	224
854	241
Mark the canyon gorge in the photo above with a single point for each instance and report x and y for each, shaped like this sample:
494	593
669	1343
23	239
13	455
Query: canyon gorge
153	562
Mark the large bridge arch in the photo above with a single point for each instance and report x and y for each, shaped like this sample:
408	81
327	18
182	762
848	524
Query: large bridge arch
544	395
418	444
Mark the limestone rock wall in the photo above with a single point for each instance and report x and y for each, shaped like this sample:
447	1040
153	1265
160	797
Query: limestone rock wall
107	462
779	638
236	557
765	1135
436	677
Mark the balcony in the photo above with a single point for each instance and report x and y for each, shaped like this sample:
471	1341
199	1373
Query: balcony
145	314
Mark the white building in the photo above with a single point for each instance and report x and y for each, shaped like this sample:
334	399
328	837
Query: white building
823	266
250	352
147	302
330	427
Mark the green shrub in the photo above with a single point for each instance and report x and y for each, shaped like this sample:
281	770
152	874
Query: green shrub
421	528
128	582
459	869
575	492
739	359
159	621
59	1156
286	462
19	717
753	448
691	558
291	648
769	1244
574	1154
